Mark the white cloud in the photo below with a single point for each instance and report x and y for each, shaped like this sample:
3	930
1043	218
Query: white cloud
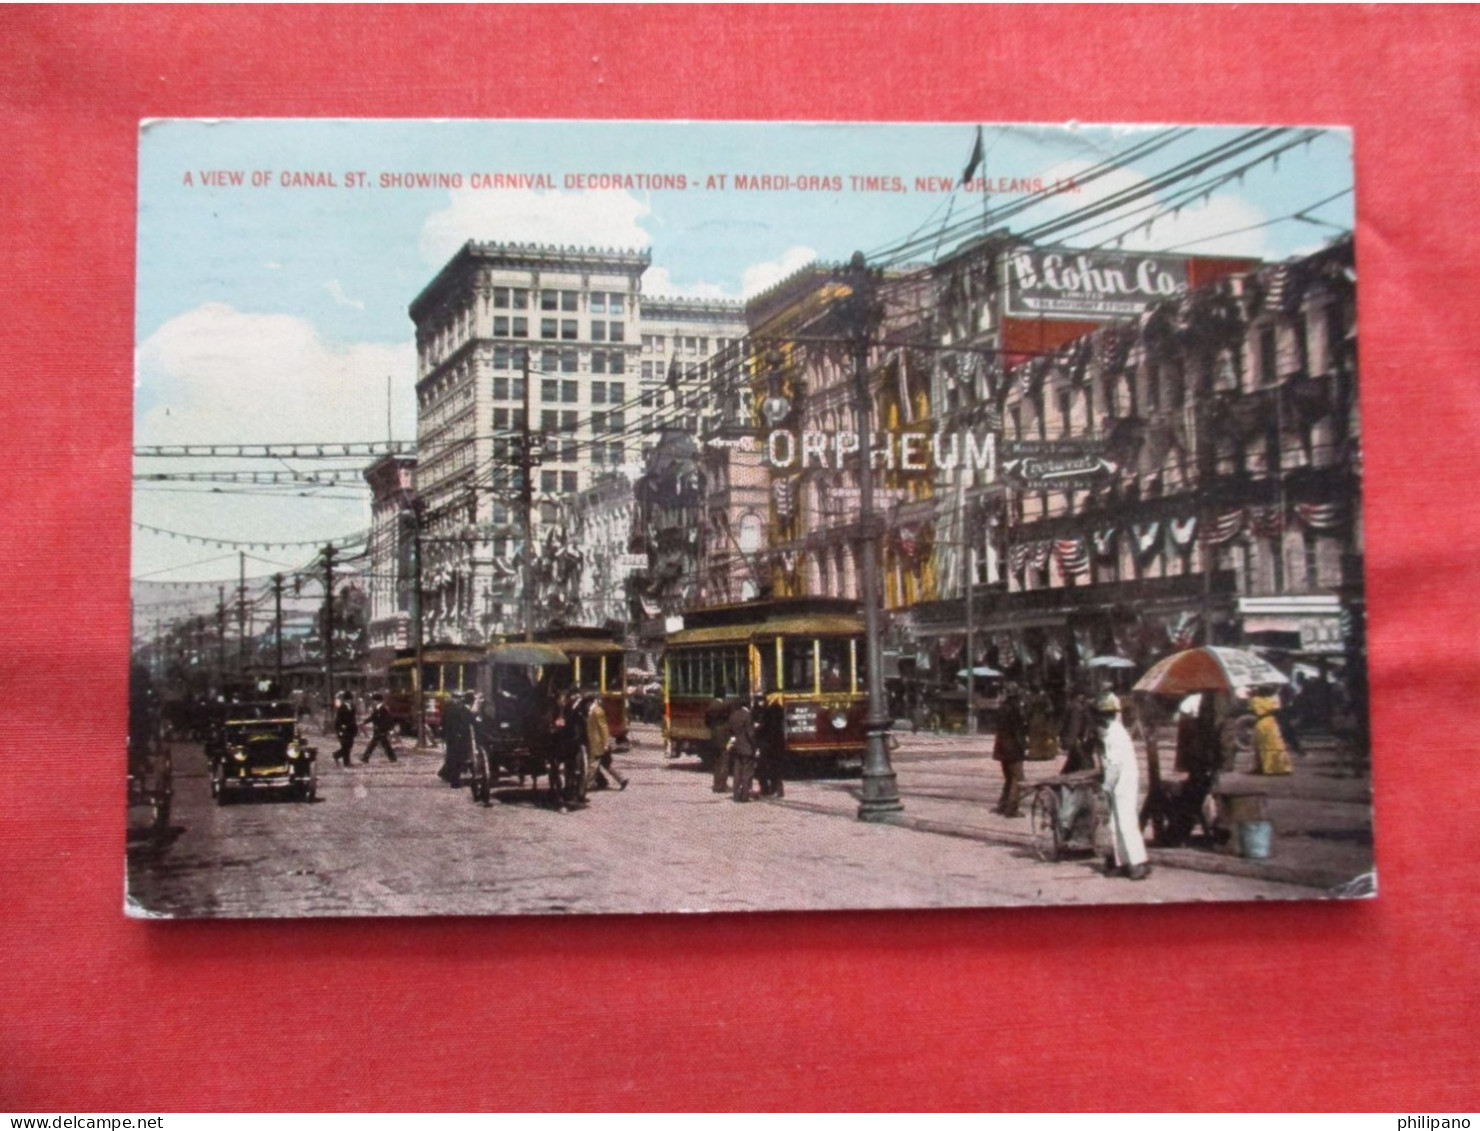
759	276
657	281
337	293
219	375
576	219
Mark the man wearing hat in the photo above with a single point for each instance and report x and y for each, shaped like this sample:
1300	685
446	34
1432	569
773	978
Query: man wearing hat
1122	786
457	733
380	727
345	727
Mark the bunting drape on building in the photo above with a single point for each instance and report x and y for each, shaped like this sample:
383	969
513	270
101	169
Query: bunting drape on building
1105	541
1072	555
1038	554
1266	522
1321	516
1147	539
1182	531
1224	527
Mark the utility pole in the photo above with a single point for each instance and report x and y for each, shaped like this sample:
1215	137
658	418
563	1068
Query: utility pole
277	629
329	631
241	613
220	635
526	499
880	800
418	699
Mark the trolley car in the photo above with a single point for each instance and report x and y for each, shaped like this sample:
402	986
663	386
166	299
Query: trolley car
804	656
446	669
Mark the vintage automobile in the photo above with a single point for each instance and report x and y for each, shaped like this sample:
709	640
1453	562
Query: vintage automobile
256	744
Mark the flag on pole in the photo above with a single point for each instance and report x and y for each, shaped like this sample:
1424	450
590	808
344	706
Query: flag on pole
974	161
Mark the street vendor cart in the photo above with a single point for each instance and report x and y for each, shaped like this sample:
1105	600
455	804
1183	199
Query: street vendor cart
1067	814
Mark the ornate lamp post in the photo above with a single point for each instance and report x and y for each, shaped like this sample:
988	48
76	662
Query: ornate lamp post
880	800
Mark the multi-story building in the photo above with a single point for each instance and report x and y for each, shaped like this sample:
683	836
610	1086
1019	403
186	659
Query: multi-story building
607	371
391	583
601	520
1218	496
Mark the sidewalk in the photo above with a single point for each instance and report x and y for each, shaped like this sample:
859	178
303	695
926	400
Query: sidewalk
1321	814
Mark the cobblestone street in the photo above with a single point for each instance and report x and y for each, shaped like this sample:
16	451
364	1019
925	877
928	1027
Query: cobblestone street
393	839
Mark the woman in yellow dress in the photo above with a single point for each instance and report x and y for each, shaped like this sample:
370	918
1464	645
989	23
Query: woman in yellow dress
1269	744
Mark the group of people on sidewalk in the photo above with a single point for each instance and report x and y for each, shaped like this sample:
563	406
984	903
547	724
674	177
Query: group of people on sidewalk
748	739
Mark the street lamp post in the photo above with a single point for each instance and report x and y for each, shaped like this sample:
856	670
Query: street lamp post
880	801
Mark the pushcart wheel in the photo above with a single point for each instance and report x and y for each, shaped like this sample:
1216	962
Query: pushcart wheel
1044	817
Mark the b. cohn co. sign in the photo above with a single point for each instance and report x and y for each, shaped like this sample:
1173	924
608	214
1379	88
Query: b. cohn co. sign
1063	283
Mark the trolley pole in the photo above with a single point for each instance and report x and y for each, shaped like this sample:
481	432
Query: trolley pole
880	789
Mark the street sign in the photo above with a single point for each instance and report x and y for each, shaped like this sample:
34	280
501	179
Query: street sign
1055	465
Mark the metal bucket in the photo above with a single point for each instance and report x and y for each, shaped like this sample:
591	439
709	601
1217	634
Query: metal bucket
1255	839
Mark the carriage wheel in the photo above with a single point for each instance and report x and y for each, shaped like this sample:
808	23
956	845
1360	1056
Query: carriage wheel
1044	817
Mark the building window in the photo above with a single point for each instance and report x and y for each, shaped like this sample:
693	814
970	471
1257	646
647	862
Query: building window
501	356
598	361
500	388
569	330
598	422
521	325
516	386
598	331
568	361
614	304
647	398
501	419
549	481
549	420
519	298
617	332
549	390
549	361
567	451
501	298
549	328
617	362
500	326
569	481
569	392
598	392
549	300
598	302
616	392
615	454
569	421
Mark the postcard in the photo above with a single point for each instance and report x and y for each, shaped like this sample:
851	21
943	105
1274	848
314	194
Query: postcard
566	517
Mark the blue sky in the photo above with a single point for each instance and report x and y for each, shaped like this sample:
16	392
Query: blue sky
276	313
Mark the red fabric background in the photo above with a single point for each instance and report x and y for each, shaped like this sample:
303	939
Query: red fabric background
1367	1006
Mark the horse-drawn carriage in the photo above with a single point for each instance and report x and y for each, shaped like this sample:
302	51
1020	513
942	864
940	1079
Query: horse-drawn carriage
523	731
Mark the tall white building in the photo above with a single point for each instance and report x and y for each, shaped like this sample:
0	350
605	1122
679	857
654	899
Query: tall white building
606	369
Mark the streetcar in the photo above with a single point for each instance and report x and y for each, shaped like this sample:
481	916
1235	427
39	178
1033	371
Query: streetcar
803	656
446	669
598	663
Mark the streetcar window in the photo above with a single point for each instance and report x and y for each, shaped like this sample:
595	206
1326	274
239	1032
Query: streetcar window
837	665
797	667
766	652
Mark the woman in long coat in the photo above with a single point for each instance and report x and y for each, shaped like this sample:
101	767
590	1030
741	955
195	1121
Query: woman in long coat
1010	748
1269	743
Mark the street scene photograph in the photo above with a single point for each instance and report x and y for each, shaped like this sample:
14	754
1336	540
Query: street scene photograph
575	517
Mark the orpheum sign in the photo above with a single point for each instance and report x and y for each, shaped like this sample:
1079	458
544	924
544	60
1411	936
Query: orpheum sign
1059	282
